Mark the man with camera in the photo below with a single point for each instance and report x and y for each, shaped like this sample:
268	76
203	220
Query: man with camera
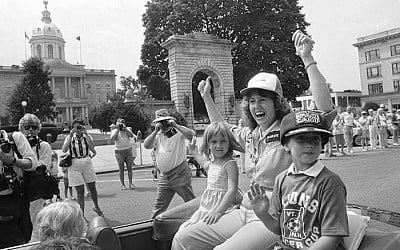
121	136
169	143
80	146
35	185
16	158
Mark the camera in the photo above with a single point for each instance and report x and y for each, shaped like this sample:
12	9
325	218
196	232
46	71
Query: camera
5	146
7	178
170	132
79	127
33	140
121	126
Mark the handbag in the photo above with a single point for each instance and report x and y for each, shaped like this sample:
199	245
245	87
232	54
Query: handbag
66	161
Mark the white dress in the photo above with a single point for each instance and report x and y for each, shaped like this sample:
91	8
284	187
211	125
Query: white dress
217	186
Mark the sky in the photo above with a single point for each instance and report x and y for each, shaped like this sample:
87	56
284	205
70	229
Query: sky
112	31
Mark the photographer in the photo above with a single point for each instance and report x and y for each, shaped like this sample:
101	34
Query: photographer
122	135
80	145
15	223
168	141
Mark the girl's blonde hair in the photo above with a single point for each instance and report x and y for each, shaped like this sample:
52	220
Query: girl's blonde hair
61	219
217	128
281	105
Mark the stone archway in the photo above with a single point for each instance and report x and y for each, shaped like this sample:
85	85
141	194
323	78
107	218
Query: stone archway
200	52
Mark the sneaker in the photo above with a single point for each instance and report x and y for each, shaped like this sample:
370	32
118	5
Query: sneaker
123	187
339	154
131	186
351	151
364	149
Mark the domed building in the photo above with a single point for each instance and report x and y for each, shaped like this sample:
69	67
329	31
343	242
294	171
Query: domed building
76	89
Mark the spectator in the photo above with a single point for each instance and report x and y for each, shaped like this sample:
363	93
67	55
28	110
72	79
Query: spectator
121	136
54	157
168	141
263	107
364	126
81	147
337	131
16	228
348	123
396	124
66	185
134	142
60	219
373	128
321	221
393	125
382	128
242	166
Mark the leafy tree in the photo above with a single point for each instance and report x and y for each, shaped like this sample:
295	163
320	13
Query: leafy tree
108	113
157	86
261	29
370	105
35	90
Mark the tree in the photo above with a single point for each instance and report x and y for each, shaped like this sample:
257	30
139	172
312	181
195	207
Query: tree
157	86
371	105
262	31
35	90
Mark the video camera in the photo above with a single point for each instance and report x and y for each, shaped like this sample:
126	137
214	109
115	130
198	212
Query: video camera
5	144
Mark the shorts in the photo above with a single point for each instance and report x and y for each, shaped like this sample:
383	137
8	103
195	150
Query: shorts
339	139
124	156
364	134
81	171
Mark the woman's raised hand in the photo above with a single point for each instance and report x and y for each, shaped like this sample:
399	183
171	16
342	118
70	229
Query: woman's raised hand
303	43
205	87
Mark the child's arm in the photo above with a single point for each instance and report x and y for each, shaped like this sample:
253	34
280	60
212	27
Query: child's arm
260	203
228	198
325	243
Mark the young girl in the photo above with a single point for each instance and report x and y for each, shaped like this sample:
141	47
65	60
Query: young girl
222	181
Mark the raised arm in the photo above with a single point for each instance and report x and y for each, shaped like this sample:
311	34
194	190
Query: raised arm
320	91
205	91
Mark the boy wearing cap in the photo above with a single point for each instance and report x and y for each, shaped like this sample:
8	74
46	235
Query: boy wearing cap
169	143
308	203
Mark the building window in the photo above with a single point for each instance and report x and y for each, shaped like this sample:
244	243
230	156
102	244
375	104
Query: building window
39	50
396	68
375	88
50	51
375	71
395	50
372	55
396	85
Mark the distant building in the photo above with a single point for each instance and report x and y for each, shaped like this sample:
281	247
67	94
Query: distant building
341	100
379	60
76	89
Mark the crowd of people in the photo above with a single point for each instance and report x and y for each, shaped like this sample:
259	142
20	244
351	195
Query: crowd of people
372	128
294	201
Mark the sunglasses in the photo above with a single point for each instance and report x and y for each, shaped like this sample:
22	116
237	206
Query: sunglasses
34	127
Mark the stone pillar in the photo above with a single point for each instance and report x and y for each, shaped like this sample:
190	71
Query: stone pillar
200	52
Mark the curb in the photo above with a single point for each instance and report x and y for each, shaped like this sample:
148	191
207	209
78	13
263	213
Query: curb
117	170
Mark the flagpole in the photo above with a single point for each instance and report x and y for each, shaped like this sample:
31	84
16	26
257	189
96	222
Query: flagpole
80	51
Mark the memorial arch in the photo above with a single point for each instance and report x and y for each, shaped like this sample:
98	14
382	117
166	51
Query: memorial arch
193	57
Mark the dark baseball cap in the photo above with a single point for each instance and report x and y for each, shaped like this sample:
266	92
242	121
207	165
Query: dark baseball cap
304	121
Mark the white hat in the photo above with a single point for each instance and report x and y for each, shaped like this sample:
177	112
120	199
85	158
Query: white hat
265	81
162	114
382	106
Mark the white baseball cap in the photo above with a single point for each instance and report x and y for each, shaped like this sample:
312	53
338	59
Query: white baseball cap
264	81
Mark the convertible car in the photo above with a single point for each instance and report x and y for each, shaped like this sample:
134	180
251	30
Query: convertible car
370	229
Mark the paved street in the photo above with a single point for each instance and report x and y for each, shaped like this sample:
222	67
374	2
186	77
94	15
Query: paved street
371	179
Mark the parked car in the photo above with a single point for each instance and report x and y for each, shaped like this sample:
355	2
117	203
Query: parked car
47	128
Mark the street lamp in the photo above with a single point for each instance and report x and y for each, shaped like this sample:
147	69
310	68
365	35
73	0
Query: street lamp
24	103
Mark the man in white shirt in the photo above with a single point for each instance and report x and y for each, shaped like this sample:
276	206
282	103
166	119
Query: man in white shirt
348	121
169	142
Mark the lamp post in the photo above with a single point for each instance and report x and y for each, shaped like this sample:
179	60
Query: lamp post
24	104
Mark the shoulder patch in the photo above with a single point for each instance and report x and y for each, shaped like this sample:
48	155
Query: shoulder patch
272	136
